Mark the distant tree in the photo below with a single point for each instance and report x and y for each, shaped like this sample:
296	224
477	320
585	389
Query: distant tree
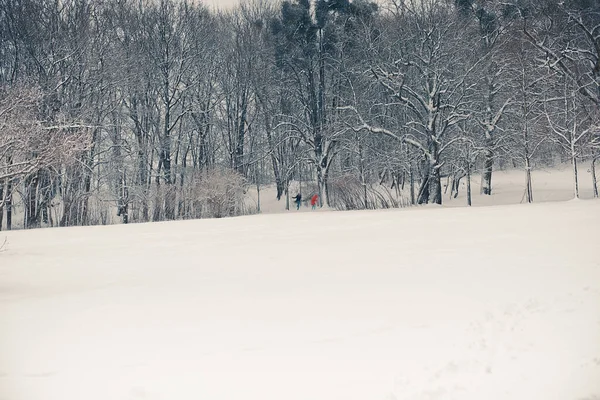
308	46
424	74
569	126
29	145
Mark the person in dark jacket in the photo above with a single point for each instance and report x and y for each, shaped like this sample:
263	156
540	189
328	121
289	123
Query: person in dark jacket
298	200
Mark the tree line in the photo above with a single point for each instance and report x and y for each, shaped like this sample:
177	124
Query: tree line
165	109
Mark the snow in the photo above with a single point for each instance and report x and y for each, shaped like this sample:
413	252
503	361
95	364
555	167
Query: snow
430	303
549	185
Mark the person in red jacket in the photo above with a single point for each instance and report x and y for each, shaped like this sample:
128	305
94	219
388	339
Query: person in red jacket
313	201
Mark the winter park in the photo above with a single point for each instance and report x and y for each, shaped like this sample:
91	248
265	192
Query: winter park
299	199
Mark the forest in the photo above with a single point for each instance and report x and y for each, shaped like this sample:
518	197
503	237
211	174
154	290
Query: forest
155	110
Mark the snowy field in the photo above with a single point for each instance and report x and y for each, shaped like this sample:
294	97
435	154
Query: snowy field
484	303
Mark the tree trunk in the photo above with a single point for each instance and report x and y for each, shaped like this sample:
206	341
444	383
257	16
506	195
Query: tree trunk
594	180
45	186
170	201
469	199
455	186
66	200
423	196
8	205
31	202
322	182
361	169
165	159
182	208
123	198
575	172
1	205
435	181
529	186
488	166
143	164
87	185
87	181
143	182
258	196
488	163
412	184
403	181
239	143
320	186
321	97
276	171
287	195
203	157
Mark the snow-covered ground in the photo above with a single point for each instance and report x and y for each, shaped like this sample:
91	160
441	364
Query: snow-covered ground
549	184
483	303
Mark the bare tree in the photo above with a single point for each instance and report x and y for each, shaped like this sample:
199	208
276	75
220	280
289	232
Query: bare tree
307	51
425	75
527	137
568	127
29	145
595	157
